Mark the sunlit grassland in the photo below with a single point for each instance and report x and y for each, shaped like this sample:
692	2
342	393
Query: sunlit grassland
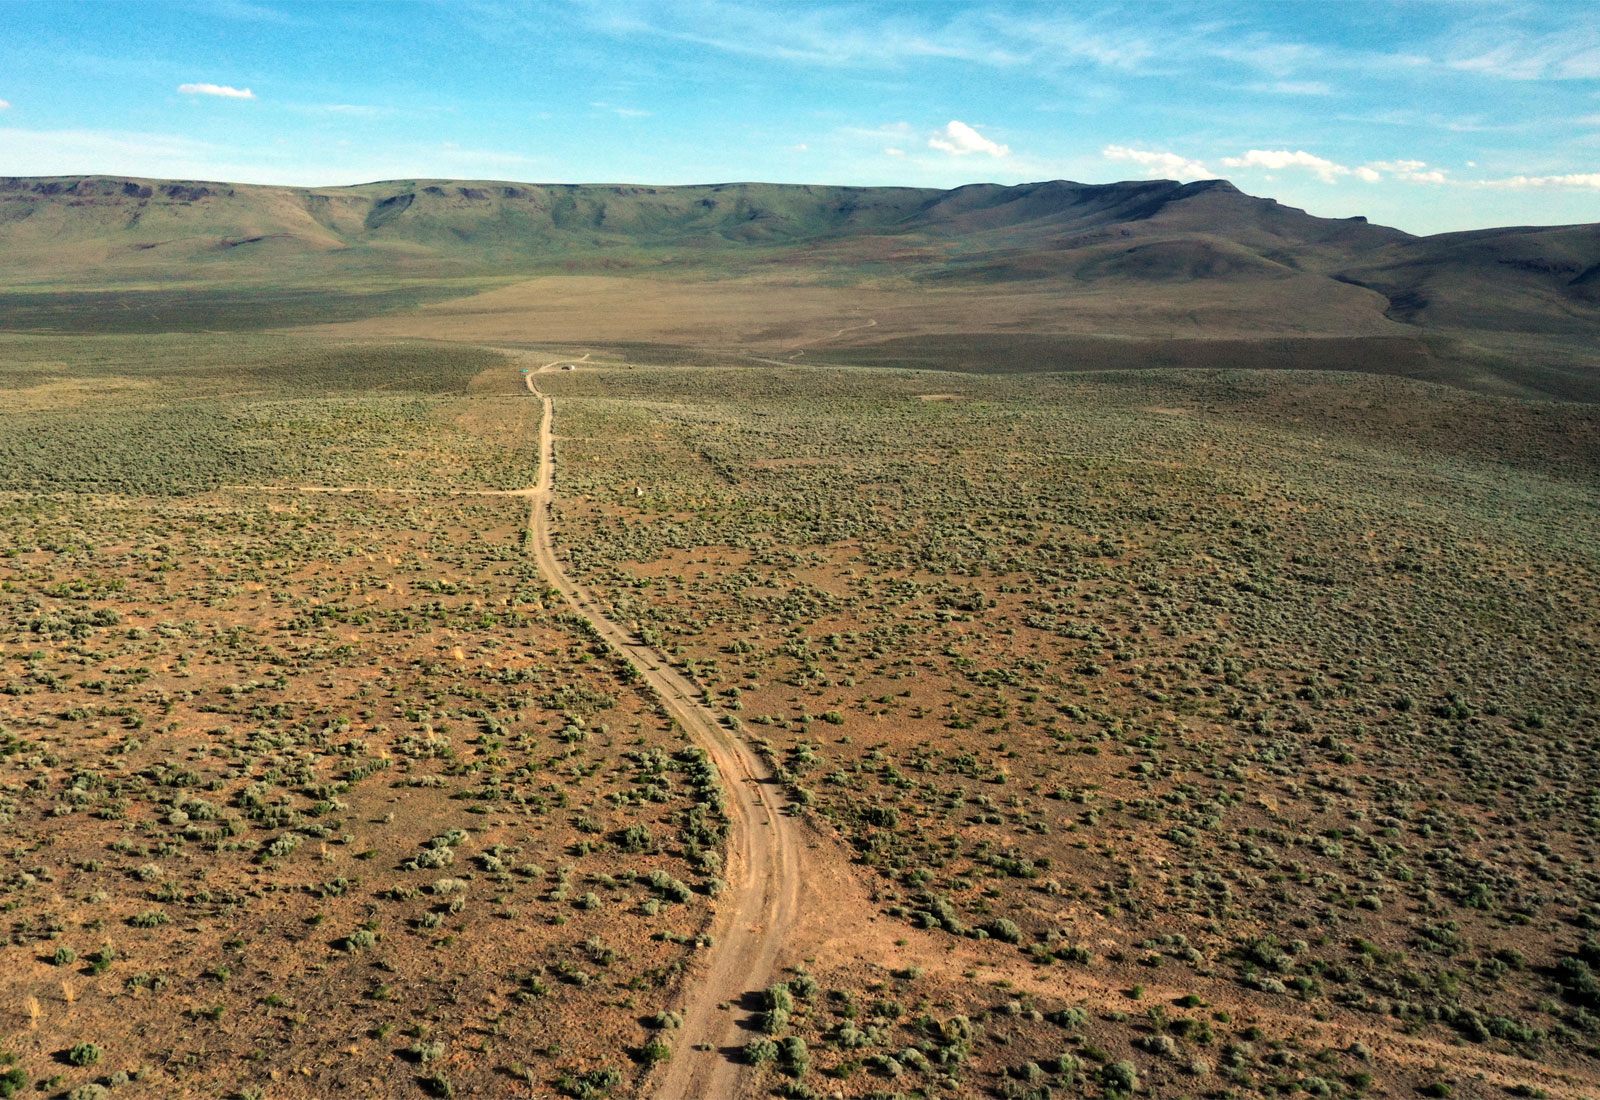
1163	712
169	415
1283	682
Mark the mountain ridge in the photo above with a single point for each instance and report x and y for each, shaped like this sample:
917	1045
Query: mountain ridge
740	213
1144	257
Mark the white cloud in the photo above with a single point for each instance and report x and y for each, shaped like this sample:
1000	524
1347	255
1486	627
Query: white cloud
891	138
958	139
221	90
359	110
625	112
898	129
1277	159
4	106
1293	87
1411	171
1165	165
1585	181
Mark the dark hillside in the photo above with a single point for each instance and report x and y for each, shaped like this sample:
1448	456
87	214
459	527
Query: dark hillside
1203	260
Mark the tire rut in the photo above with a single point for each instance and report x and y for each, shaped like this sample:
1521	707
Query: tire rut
762	904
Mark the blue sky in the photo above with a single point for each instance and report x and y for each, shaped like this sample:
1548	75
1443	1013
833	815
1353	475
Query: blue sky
1427	115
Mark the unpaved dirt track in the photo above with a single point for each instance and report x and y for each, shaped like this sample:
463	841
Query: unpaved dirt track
760	909
870	322
769	859
766	849
775	862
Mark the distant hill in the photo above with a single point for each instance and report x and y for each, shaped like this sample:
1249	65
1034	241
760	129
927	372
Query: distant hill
101	228
163	250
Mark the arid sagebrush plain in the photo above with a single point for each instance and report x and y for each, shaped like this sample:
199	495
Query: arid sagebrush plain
486	639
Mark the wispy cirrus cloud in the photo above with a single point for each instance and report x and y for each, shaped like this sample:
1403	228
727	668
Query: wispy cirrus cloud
457	154
1043	39
624	112
810	34
1269	55
1569	52
221	91
56	152
1057	43
1055	38
176	156
354	110
892	137
958	139
246	12
1291	87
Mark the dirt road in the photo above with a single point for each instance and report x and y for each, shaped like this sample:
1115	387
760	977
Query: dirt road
760	909
766	849
775	863
771	856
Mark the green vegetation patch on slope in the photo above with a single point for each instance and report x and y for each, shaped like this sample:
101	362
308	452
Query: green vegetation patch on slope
211	308
1539	371
174	415
196	365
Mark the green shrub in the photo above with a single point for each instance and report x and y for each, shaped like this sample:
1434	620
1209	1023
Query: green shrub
1005	931
1123	1076
593	1085
759	1052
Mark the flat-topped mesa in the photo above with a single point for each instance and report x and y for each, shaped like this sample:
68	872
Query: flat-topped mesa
114	187
98	231
731	214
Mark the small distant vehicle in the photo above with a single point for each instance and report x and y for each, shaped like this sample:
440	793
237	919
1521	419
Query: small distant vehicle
525	370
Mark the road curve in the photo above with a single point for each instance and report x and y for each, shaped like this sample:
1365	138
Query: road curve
769	859
761	905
